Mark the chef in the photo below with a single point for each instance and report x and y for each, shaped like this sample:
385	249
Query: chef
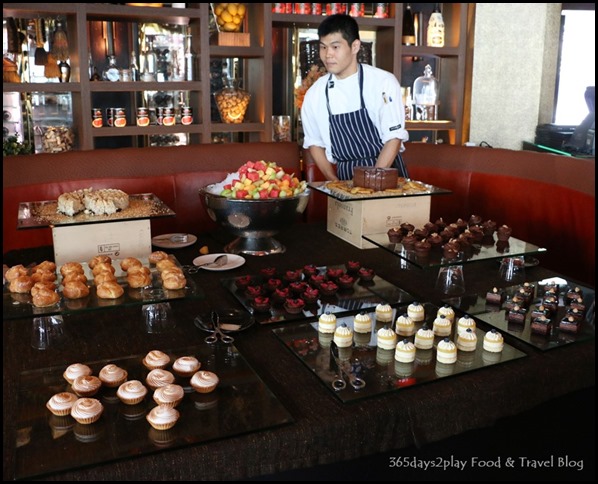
354	115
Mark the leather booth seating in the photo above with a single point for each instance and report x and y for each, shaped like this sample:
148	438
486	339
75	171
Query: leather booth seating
548	199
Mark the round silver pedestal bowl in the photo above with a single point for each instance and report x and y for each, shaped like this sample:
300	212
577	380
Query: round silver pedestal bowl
254	222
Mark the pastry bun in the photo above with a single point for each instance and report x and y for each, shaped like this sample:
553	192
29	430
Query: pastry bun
42	285
157	256
45	297
15	271
139	278
43	276
99	259
21	284
74	276
75	290
104	276
129	262
45	266
109	290
165	264
102	267
71	267
174	281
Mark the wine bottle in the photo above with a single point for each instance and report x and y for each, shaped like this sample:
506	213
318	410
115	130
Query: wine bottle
436	28
408	36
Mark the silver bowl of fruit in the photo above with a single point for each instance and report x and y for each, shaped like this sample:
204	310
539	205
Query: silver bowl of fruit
255	212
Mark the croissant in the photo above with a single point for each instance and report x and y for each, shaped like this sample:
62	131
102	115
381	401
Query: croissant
129	262
75	290
45	297
157	256
98	259
21	284
15	271
109	290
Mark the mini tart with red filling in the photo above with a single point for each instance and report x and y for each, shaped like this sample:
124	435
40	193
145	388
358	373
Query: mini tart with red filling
294	305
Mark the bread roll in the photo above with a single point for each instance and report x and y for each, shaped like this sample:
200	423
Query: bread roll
174	281
42	285
74	276
43	276
75	290
109	290
140	278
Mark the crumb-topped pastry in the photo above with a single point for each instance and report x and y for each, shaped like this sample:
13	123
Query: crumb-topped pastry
170	395
61	403
416	311
131	392
467	340
383	313
446	351
343	336
186	365
156	359
405	351
112	375
87	410
424	338
404	325
327	322
362	323
163	417
75	370
493	341
387	338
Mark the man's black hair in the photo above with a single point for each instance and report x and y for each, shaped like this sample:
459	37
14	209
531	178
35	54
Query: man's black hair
344	24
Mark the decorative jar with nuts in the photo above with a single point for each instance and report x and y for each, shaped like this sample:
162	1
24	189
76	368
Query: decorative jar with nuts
232	101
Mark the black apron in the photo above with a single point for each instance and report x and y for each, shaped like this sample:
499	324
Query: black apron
355	139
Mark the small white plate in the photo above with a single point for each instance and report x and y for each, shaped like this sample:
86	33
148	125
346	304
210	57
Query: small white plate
233	262
166	243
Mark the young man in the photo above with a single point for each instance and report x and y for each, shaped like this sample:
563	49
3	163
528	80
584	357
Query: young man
354	116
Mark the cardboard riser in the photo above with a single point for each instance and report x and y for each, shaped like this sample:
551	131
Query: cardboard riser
79	243
351	220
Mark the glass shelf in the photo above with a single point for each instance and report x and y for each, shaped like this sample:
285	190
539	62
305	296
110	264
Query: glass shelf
378	367
347	197
45	214
477	252
241	403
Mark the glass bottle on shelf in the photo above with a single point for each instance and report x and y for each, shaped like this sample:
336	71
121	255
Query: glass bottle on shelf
425	96
150	64
189	58
436	28
408	36
134	67
112	73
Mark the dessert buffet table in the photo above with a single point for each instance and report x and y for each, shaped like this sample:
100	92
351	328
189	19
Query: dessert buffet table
303	423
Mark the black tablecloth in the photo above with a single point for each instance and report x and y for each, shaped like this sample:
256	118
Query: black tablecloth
325	430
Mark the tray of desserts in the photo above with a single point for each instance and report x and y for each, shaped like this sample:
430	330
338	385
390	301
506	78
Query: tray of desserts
390	349
545	314
274	296
90	288
217	401
345	191
46	213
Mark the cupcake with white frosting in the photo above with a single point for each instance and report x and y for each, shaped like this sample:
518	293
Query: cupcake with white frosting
327	322
424	338
416	311
343	336
362	323
405	351
387	338
446	351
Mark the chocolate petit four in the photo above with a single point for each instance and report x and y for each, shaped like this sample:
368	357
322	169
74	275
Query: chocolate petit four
495	296
569	325
578	304
503	232
551	303
574	313
541	325
516	315
395	235
573	294
540	311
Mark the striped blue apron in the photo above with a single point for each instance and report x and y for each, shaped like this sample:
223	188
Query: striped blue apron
355	139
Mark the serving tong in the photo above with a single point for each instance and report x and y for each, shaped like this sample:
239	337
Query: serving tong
213	338
339	383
